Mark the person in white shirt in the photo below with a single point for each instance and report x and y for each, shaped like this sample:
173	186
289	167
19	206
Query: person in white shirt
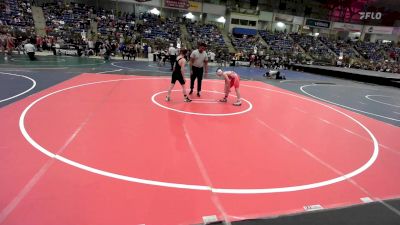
212	56
90	44
198	64
30	50
172	55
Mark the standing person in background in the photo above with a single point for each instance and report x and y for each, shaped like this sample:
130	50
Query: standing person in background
198	64
107	47
123	49
3	43
133	52
172	55
90	44
39	43
148	51
97	47
145	48
212	56
30	50
9	44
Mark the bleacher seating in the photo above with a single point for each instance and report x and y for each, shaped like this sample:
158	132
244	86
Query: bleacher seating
246	44
338	46
160	29
369	50
312	45
279	42
16	13
66	19
207	33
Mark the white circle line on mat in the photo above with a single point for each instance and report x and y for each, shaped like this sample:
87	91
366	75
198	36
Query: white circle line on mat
27	90
344	106
201	187
201	114
385	103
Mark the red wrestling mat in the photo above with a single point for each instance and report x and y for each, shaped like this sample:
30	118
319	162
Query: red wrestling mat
108	149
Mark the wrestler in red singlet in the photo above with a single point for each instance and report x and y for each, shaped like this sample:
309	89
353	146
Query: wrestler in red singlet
232	79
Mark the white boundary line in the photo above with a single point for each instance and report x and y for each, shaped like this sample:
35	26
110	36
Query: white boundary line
200	187
204	102
203	171
88	64
202	99
35	68
109	71
318	184
153	99
161	67
136	69
33	86
14	70
369	98
347	107
53	68
297	81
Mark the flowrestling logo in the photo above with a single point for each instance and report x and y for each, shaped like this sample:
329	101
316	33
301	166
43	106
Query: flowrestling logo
370	15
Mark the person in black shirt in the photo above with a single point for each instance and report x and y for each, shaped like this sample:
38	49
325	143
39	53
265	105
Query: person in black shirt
132	52
178	74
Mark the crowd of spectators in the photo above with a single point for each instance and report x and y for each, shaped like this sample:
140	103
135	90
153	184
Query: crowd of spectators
210	35
16	14
394	54
377	56
246	43
339	47
313	46
206	33
68	23
101	32
369	50
66	20
382	66
279	42
158	29
249	48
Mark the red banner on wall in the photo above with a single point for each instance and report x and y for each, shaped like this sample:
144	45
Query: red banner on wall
179	4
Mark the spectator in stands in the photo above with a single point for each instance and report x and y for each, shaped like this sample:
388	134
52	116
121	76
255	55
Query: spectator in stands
198	64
